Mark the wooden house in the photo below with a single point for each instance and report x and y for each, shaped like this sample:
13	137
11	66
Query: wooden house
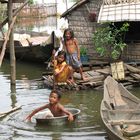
86	15
119	11
82	18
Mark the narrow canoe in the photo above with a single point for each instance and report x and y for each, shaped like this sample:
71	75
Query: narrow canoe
120	111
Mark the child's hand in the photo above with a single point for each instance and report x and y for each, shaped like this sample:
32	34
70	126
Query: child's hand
56	73
53	52
70	118
78	57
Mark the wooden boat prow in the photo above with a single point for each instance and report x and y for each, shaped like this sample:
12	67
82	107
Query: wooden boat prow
58	120
119	111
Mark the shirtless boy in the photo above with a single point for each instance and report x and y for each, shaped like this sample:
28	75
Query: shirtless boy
54	106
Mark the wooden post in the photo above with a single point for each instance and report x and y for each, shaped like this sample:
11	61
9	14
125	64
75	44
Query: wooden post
9	30
66	4
11	45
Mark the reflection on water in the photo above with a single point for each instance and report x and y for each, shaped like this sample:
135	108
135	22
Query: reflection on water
31	94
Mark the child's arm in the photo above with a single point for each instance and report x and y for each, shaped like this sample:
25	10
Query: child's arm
70	116
35	111
77	48
58	71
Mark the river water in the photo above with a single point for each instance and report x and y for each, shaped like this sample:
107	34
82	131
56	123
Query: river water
31	93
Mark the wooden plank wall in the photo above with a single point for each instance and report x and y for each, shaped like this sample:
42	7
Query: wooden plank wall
84	28
132	52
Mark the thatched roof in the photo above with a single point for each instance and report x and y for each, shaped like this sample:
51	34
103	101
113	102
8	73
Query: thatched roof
75	6
119	10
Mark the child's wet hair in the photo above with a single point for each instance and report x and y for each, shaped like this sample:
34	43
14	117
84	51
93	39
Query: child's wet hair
56	92
62	53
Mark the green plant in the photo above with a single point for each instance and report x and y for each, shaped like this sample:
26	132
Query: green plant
83	51
109	40
31	2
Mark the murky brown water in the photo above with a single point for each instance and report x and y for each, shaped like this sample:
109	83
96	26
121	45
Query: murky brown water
31	94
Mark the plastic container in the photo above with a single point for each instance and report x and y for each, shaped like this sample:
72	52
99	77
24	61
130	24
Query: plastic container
117	70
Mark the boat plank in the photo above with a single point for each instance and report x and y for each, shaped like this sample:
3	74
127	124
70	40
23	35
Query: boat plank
120	122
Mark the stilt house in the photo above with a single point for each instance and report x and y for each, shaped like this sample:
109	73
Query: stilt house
86	15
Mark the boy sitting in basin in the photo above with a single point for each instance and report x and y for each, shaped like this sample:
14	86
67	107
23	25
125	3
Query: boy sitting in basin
54	106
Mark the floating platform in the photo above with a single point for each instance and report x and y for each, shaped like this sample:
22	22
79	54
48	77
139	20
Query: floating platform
96	79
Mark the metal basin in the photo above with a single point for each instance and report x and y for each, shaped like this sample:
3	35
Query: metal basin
58	120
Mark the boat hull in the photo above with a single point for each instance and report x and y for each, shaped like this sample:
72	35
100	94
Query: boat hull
120	111
36	53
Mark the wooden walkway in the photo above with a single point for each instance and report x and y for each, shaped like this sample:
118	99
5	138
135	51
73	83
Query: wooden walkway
95	79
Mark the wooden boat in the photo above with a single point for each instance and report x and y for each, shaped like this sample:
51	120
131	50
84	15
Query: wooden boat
120	111
58	120
34	49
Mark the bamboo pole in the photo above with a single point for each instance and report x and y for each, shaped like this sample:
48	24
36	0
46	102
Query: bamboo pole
9	30
6	40
11	44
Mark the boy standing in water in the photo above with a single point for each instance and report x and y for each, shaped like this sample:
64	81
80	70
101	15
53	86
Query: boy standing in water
54	106
72	51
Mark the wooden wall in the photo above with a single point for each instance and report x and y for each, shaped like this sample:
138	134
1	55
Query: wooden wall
132	52
84	29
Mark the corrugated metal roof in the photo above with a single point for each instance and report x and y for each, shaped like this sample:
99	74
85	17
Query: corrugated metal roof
119	12
76	5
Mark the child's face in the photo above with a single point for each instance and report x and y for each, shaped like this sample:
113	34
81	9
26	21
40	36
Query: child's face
60	58
68	35
53	98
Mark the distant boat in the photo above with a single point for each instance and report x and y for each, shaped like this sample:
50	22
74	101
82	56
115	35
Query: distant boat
33	49
120	111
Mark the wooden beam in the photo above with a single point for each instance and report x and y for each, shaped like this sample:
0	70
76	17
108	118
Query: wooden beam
18	1
14	1
120	122
3	1
14	14
9	30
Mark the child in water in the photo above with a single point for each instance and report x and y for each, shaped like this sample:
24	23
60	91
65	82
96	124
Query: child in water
54	106
62	71
72	51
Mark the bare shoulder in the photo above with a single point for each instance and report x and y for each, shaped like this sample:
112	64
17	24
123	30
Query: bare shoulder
75	40
60	106
45	106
